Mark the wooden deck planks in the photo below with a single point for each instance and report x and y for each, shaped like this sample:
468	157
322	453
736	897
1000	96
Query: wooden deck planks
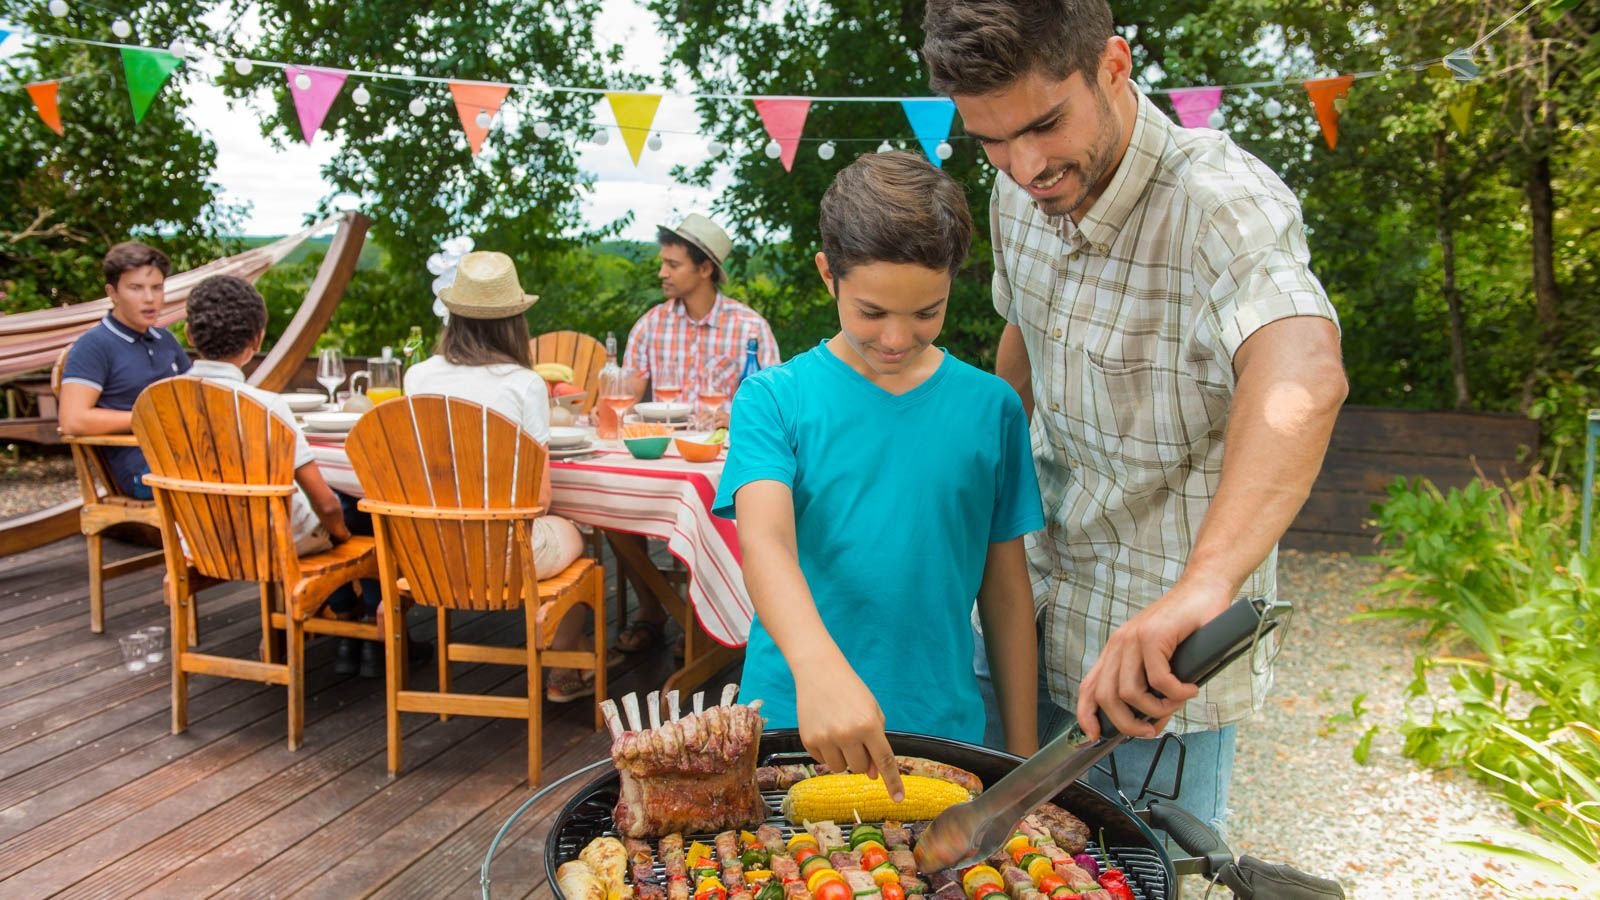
98	799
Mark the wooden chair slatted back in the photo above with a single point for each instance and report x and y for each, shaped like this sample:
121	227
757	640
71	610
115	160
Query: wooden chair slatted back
94	478
446	455
583	353
210	433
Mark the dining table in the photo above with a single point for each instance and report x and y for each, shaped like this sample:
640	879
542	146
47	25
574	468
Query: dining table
602	485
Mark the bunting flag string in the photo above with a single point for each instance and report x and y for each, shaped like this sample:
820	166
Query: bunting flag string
477	104
930	121
635	113
785	121
43	94
147	71
1323	93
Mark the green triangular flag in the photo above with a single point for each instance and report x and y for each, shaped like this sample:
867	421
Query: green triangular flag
147	71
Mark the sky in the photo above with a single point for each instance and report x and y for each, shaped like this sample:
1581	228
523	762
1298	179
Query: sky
281	187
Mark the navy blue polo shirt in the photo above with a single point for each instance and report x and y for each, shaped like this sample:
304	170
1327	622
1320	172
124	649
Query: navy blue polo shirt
120	363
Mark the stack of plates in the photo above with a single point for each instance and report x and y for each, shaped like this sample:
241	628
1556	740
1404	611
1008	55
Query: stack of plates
566	441
330	422
304	402
663	412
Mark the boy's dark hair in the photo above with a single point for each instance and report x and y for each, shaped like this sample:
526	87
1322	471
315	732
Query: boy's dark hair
486	342
225	315
696	256
130	255
895	207
980	46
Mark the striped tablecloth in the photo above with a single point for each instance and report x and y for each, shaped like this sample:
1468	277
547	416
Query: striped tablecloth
668	498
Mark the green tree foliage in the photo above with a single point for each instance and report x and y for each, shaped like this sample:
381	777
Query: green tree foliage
415	175
65	200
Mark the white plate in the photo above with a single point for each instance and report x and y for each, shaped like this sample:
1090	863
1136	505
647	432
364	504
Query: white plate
662	412
563	437
578	450
573	402
305	402
326	437
331	421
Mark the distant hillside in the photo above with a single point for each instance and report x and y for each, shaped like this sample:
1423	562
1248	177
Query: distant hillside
372	255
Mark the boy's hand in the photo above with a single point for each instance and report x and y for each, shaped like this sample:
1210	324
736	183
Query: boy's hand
842	726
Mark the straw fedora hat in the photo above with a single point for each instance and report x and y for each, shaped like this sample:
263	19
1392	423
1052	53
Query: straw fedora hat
705	234
486	287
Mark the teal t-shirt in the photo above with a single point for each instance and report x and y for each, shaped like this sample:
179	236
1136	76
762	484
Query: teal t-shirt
896	501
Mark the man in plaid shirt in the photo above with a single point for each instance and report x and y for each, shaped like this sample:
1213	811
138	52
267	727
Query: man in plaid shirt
697	337
1159	309
695	340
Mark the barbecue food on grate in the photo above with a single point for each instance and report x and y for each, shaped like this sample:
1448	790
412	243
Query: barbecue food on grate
781	778
695	773
577	882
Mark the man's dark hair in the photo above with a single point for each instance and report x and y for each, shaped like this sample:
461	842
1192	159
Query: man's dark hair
981	46
895	207
225	315
486	342
130	255
667	238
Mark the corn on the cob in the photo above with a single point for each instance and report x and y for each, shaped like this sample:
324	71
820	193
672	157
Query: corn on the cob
845	798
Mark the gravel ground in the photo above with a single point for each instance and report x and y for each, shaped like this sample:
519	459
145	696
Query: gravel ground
1299	797
35	482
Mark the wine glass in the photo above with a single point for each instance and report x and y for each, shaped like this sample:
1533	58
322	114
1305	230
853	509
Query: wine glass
716	373
330	370
666	383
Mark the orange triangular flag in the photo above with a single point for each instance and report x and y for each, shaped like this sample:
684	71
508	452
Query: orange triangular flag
44	100
1323	91
475	98
634	114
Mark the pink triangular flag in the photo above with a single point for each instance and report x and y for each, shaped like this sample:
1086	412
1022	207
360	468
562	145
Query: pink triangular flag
785	120
1195	105
313	102
474	97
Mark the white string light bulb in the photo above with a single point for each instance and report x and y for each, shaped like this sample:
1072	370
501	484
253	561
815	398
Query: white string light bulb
58	8
944	150
178	47
482	118
715	147
1217	120
417	106
826	150
360	96
1272	108
885	147
602	137
303	81
654	143
541	129
243	66
772	150
121	28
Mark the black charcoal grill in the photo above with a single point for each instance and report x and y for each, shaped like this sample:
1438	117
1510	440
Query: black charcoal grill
1120	836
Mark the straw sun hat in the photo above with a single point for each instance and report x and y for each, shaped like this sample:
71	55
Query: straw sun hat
705	234
486	287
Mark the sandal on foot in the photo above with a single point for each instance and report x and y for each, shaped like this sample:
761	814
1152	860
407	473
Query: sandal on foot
640	636
567	685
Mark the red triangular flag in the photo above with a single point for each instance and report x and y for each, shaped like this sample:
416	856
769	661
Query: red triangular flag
44	100
1323	91
472	99
785	120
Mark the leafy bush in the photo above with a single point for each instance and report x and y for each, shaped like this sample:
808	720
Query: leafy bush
1513	616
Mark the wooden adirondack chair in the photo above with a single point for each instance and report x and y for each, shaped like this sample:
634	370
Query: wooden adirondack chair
583	353
104	506
222	469
453	490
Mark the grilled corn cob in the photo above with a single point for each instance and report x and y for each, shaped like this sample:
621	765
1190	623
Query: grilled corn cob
847	798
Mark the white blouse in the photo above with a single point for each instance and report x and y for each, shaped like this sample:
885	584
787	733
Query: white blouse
507	388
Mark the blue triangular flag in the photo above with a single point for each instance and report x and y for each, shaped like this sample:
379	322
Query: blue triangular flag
3	35
930	118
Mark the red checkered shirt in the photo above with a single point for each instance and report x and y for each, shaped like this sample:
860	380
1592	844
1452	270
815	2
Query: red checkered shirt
666	341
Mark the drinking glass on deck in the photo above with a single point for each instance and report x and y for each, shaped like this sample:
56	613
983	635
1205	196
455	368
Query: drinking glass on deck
135	651
330	370
156	651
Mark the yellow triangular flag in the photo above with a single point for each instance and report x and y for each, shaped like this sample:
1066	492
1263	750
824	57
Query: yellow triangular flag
1461	97
634	114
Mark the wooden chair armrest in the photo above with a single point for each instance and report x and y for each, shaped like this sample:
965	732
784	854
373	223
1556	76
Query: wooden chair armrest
233	489
410	511
101	440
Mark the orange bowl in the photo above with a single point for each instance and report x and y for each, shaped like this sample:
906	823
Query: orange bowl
697	451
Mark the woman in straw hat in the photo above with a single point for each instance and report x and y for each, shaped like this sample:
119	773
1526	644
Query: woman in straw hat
483	357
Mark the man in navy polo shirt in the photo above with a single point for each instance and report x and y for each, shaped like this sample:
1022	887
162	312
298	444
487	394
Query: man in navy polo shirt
114	361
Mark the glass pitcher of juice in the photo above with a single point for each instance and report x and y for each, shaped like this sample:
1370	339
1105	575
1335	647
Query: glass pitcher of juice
382	377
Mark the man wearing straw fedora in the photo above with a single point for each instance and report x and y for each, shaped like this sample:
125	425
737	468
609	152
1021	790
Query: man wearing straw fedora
696	337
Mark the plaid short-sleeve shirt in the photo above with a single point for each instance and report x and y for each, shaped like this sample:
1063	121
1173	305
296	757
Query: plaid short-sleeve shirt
1131	319
666	342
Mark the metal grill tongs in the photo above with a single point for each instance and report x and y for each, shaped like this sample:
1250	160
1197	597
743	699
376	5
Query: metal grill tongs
967	833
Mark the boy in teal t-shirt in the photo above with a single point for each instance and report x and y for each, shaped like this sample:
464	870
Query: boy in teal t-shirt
880	487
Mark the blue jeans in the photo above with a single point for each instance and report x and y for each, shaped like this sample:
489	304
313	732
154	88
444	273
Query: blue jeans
343	600
1207	760
135	487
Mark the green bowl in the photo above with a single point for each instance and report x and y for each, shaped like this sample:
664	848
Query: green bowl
648	447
